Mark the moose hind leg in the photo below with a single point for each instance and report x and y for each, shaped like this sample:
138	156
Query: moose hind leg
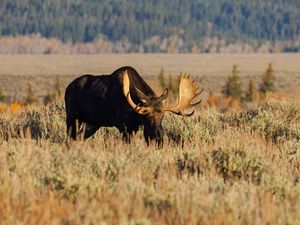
71	128
75	129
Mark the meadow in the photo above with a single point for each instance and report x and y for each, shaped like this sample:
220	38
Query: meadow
210	70
236	166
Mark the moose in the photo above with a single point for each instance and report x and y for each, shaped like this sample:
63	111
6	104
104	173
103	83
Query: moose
123	100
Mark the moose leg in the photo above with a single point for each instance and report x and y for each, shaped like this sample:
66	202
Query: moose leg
71	128
127	137
75	129
126	133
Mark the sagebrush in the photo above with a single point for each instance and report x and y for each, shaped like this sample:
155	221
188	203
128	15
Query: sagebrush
237	167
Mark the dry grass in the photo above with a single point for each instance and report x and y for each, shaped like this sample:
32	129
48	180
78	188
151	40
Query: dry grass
211	70
147	64
237	167
240	167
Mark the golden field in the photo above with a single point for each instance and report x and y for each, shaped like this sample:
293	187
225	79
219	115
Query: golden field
147	64
210	70
236	166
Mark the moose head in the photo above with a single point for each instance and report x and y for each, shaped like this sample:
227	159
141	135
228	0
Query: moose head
154	107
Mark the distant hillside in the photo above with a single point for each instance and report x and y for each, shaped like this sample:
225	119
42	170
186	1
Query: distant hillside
159	26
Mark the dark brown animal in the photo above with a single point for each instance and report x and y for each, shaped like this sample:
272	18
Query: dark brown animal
124	100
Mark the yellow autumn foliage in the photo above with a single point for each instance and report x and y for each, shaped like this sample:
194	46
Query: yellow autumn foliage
15	107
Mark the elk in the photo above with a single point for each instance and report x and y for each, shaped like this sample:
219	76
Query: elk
123	100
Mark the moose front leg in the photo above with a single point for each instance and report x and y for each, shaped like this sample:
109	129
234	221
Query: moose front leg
126	133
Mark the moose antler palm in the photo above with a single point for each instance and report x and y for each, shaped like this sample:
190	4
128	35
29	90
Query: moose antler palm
188	91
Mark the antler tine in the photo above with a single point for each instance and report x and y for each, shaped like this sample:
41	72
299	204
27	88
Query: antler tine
196	103
188	91
185	114
197	94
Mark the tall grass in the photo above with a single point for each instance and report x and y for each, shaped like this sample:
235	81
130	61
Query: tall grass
237	167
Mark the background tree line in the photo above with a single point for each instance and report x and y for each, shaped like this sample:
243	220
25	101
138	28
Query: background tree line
159	26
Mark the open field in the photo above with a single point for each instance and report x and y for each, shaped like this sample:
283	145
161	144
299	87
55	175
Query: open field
235	166
211	70
238	167
147	64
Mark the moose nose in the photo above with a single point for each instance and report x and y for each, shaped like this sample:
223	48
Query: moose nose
154	133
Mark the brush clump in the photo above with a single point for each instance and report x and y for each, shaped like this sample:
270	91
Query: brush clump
236	167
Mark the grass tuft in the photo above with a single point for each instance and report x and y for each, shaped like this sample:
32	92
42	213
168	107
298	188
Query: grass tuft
236	167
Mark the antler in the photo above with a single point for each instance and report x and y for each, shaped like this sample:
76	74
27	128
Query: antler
138	109
188	91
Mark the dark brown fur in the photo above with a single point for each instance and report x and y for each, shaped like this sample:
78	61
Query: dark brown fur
98	101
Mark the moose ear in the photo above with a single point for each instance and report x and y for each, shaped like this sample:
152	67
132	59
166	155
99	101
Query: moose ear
164	95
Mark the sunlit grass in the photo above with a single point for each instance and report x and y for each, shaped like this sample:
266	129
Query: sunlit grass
237	167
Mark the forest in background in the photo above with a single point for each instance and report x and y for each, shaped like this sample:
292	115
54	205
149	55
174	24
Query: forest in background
91	26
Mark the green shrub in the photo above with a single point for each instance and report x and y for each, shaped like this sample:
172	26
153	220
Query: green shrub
236	164
268	79
277	121
180	129
47	123
233	85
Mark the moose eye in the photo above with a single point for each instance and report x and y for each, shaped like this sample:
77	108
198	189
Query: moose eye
144	101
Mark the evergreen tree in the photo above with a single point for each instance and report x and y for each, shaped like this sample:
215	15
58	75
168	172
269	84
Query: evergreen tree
251	93
233	85
173	85
140	20
268	79
161	79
